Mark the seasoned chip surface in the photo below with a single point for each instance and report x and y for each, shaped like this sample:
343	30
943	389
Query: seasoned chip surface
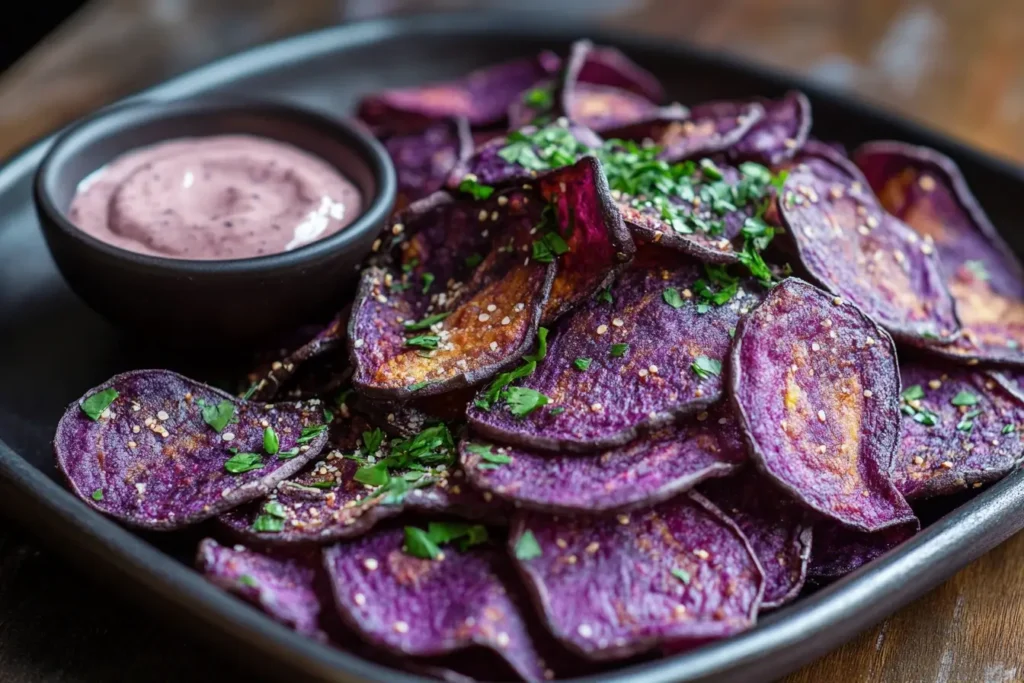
960	430
639	474
856	250
655	352
816	387
779	530
152	459
676	574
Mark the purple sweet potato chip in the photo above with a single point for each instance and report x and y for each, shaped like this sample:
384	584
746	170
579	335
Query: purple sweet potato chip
647	471
329	340
926	190
655	351
780	134
777	527
708	128
332	500
520	155
464	304
421	607
959	430
856	250
482	97
408	418
610	587
151	448
423	159
601	107
816	386
599	245
705	211
607	66
838	549
283	587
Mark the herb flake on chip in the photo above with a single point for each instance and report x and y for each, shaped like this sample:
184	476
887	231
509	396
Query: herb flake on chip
94	405
522	401
239	463
97	495
527	547
913	393
682	575
926	417
471	186
423	341
218	416
311	432
965	398
619	350
672	297
582	363
706	367
419	544
271	444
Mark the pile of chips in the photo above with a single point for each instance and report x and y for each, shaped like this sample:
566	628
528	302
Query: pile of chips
619	376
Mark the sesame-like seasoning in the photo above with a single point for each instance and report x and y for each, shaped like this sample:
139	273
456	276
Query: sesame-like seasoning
162	415
702	416
585	631
358	343
821	416
618	322
506	320
359	599
136	429
867	393
926	182
401	627
483	317
370	564
595	407
228	436
593	547
502	200
837	301
482	215
701	553
623	519
946	464
918	460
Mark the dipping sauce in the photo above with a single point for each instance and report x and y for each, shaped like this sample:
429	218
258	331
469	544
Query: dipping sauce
218	197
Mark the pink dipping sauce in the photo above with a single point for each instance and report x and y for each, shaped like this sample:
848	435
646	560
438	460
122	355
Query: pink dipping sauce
218	197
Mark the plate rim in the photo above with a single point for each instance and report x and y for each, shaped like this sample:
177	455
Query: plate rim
97	544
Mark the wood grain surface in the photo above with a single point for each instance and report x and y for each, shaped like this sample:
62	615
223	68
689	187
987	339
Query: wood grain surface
956	65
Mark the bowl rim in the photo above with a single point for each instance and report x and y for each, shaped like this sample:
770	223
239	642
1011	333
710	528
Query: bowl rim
350	133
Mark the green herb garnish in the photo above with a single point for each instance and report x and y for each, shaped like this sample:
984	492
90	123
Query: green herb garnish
527	547
423	341
682	575
619	350
965	398
428	279
310	432
97	495
912	393
605	296
582	363
672	297
474	260
966	423
93	406
271	444
372	441
926	418
288	454
419	544
219	415
705	367
522	401
247	580
243	462
471	186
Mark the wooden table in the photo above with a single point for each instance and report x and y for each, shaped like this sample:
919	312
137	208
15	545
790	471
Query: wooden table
957	65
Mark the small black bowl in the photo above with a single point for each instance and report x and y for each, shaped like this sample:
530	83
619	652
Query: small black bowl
222	302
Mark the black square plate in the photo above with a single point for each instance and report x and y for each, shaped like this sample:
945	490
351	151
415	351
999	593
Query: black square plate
52	348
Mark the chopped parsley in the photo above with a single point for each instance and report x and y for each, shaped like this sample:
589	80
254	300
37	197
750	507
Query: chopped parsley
672	297
527	547
271	444
219	415
498	389
97	495
409	460
372	441
428	279
288	454
423	341
426	323
966	423
247	580
243	462
470	185
682	575
372	475
1008	429
582	363
93	406
426	544
474	260
705	367
539	98
522	401
926	418
719	288
418	385
419	544
619	350
310	432
551	245
912	393
605	296
965	398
